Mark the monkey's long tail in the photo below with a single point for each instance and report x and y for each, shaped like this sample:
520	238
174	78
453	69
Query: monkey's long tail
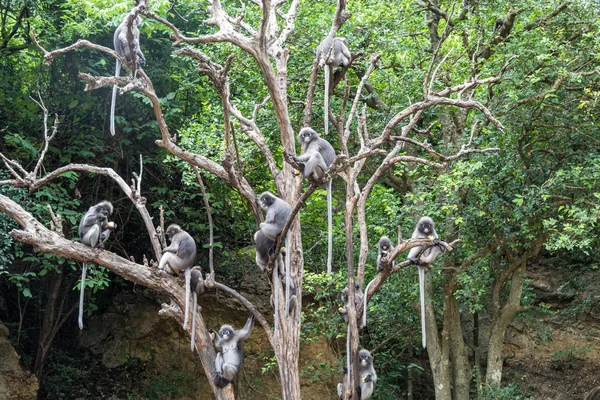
422	295
363	323
188	278
348	357
326	105
195	299
81	294
276	294
329	228
287	274
114	100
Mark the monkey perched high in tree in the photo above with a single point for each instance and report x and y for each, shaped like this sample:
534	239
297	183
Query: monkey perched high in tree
126	51
332	53
94	230
422	256
317	156
180	256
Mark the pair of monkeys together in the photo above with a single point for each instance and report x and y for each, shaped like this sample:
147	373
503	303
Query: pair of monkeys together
94	230
420	256
332	52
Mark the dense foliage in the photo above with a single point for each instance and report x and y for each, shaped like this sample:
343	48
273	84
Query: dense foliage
541	186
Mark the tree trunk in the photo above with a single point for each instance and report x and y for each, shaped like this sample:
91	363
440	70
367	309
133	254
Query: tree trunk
499	325
437	347
52	321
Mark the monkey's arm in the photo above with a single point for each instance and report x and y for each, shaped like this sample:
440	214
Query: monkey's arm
303	158
245	331
172	248
93	219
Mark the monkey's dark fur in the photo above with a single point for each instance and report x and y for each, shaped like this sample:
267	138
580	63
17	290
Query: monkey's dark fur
94	230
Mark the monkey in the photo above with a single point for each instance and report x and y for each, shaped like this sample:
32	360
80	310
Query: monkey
94	230
358	298
421	256
197	287
317	156
331	57
229	360
594	394
180	256
368	376
385	247
278	211
499	24
125	50
264	249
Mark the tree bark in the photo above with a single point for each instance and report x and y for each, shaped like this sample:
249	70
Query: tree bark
499	325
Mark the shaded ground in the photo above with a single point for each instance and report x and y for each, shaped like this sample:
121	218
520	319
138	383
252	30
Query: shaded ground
557	357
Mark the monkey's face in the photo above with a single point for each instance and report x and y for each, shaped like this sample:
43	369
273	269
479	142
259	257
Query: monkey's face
345	295
226	332
266	200
307	135
365	358
426	228
172	230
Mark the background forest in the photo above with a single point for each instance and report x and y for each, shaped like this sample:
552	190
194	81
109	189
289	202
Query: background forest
480	114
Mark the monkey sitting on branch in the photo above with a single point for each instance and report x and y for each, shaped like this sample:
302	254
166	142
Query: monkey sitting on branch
180	256
126	50
422	256
94	230
332	53
316	159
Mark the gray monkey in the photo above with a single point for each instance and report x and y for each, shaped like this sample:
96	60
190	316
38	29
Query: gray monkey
197	287
125	50
264	249
229	360
317	156
358	298
385	247
421	256
180	256
94	230
332	56
368	376
278	211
